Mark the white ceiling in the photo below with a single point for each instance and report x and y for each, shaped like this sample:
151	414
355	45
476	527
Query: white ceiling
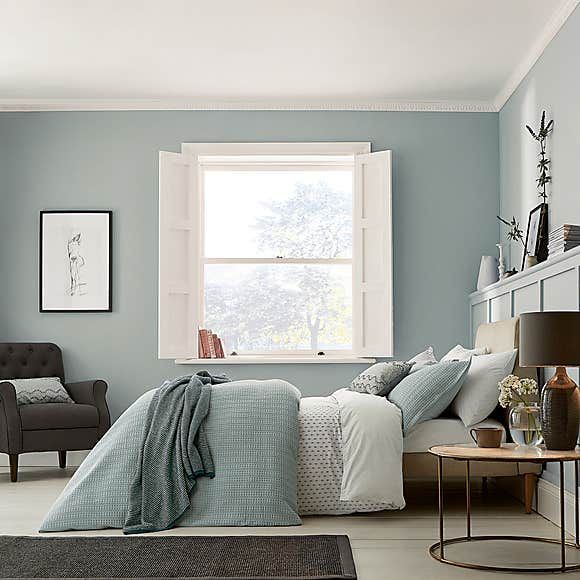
389	54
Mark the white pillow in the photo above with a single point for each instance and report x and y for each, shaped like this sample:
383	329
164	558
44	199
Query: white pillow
423	359
461	353
478	395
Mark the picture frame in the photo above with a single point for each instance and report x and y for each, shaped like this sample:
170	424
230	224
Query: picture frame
75	261
537	234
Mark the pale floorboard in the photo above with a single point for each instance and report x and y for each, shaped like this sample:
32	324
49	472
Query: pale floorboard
386	545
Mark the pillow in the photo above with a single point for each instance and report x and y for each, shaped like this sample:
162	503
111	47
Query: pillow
460	353
41	390
425	394
478	396
423	359
381	378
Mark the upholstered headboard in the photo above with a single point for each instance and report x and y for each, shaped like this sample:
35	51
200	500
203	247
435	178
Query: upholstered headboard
501	336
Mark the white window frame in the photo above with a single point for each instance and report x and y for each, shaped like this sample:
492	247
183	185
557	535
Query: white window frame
208	156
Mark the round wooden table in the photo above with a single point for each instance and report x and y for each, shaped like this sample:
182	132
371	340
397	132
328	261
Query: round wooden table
514	453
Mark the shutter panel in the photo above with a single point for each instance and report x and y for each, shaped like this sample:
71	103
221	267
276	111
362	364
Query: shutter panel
179	255
372	248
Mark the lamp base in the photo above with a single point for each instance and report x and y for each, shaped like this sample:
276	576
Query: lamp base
560	411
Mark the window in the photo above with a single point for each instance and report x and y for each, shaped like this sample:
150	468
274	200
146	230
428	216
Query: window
281	249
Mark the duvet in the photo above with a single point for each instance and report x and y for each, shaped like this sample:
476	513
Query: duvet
275	456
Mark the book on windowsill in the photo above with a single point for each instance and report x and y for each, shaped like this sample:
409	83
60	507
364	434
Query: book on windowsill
210	344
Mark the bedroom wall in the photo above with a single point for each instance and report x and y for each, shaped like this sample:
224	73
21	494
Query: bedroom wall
550	86
445	199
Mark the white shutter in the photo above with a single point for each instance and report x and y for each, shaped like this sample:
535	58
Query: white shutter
372	247
179	255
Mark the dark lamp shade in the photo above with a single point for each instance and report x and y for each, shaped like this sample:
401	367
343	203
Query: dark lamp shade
549	339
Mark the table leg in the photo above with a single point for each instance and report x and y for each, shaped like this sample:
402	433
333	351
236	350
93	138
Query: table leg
468	498
576	505
440	485
562	519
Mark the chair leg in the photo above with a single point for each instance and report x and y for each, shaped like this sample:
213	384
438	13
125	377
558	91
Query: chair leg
484	485
13	467
62	459
530	482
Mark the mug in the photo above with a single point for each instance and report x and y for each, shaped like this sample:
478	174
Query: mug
487	436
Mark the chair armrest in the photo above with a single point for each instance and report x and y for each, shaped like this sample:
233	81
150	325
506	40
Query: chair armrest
10	425
93	393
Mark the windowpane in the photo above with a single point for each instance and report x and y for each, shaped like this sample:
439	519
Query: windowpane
264	214
275	307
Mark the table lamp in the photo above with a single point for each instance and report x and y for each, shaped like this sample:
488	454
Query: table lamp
552	339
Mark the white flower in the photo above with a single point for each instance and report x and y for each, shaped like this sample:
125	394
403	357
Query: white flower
512	389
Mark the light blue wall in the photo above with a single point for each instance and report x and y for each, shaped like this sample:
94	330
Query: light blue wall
553	84
445	200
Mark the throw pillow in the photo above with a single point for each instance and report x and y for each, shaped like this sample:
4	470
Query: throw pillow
381	378
478	395
461	353
423	359
41	390
425	394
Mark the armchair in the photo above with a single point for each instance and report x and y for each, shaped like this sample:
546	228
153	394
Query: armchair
58	427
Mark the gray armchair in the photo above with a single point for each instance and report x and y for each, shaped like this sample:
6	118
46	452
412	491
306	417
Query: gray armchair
58	427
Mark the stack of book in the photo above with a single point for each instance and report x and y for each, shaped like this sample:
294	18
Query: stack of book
562	239
210	345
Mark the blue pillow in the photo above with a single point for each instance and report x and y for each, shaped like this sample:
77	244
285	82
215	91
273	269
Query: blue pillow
425	394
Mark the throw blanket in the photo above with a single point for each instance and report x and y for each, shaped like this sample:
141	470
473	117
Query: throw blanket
252	431
174	453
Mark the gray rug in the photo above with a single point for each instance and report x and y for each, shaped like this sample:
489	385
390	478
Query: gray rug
209	557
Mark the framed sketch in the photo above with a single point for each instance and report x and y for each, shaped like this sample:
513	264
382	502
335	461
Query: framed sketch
537	234
75	261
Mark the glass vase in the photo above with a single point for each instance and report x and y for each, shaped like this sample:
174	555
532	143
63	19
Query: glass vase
525	427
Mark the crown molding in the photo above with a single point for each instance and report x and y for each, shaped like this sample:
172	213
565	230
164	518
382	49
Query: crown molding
552	28
30	105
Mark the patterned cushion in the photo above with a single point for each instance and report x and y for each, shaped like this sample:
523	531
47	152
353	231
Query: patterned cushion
41	390
427	393
381	378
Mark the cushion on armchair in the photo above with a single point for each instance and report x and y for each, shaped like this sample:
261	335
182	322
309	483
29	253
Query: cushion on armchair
58	416
40	390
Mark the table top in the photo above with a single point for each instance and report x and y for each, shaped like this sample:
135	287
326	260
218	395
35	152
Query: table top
507	452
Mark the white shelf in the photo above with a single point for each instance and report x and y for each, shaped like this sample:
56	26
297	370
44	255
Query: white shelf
291	360
556	263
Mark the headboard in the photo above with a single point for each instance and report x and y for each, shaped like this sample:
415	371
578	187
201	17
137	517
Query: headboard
499	337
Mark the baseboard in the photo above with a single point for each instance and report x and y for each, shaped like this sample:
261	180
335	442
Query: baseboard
548	504
47	459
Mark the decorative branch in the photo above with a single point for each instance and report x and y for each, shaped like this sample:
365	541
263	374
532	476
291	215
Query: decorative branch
543	166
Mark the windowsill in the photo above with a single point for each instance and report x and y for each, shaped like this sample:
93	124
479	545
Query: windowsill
252	360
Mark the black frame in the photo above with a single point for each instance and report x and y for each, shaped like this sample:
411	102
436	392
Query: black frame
110	288
541	244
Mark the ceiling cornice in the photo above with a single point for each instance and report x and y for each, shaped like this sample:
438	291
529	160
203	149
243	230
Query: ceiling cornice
29	105
192	104
552	28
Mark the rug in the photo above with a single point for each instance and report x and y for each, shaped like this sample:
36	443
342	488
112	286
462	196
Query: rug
201	557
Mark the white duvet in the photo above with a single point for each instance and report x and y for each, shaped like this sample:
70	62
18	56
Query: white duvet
350	454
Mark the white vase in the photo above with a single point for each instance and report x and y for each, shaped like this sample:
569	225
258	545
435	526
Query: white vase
488	273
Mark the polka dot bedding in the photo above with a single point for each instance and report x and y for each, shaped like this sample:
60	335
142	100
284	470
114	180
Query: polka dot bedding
320	461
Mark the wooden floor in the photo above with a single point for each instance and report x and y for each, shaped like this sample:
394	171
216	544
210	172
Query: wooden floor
385	545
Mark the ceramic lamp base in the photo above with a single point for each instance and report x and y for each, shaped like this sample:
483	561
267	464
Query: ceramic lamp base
560	411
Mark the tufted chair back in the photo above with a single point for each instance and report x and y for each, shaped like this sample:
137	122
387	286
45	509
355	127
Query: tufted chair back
30	360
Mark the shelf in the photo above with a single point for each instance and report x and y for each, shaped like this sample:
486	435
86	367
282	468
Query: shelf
534	272
279	360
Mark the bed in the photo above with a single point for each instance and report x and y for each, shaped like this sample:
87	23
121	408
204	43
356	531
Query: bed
349	450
